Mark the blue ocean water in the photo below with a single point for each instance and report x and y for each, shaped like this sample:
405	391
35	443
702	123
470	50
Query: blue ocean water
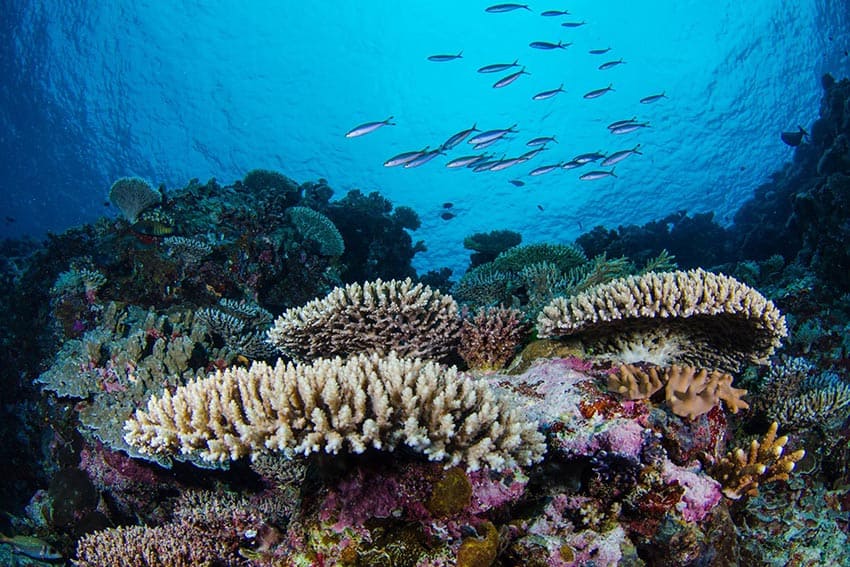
92	91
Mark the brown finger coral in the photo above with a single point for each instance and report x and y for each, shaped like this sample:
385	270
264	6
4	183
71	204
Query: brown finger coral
488	340
410	319
693	317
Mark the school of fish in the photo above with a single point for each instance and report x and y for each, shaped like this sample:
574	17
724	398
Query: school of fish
479	139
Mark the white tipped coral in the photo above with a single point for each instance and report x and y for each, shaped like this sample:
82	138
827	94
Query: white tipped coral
335	405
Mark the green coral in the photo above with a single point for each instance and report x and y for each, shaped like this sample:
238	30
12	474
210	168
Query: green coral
315	226
479	551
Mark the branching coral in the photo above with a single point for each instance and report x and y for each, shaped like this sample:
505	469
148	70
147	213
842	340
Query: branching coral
334	405
689	391
741	472
241	325
133	195
189	251
315	226
488	340
411	319
695	317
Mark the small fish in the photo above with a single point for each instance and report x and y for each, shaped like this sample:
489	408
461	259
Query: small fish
487	144
481	159
617	157
547	45
448	205
540	207
541	141
146	227
610	64
441	58
589	157
405	157
490	135
533	153
506	163
548	94
459	137
507	80
32	547
500	8
423	159
550	13
630	127
543	169
447	215
572	24
368	127
599	51
498	67
464	161
794	139
571	165
619	123
598	92
653	98
516	182
485	165
600	174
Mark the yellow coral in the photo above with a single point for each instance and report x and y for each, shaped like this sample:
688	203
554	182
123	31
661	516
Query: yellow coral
740	473
479	551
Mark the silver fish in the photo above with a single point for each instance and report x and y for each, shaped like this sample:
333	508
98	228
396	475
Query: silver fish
599	51
507	80
459	137
617	157
32	547
506	163
490	135
598	92
423	159
486	144
547	45
589	157
610	64
499	8
572	165
543	169
465	161
533	153
591	175
619	123
441	58
485	165
541	141
572	24
652	98
516	182
480	160
368	127
548	94
550	13
402	159
498	67
631	127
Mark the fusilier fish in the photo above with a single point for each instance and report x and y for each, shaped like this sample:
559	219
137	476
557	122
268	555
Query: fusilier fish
599	51
499	8
485	165
541	141
441	58
652	98
423	159
533	153
490	135
572	24
630	127
589	157
600	174
548	45
617	157
619	123
550	13
486	144
506	163
548	94
610	64
482	159
368	127
463	161
543	169
572	165
402	159
516	182
505	81
459	137
598	92
498	67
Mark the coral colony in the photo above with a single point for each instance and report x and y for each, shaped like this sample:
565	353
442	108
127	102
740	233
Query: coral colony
254	374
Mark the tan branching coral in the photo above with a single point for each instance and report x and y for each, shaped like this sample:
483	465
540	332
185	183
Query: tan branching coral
339	405
489	339
741	472
133	195
410	319
690	392
693	317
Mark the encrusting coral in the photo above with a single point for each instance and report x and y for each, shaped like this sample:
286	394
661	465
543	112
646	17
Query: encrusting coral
690	392
694	317
339	405
133	195
410	319
741	472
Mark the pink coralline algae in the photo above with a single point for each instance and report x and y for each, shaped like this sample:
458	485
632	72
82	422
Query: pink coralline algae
702	493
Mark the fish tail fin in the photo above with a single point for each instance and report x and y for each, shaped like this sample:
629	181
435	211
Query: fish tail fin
515	63
610	86
389	121
553	139
803	130
460	54
612	171
637	150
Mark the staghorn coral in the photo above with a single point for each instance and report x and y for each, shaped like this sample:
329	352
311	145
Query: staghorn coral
690	392
489	339
188	251
378	316
819	401
242	325
740	473
133	195
334	405
694	317
315	226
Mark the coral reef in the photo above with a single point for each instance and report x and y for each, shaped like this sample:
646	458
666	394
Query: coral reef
318	228
132	196
489	338
487	245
